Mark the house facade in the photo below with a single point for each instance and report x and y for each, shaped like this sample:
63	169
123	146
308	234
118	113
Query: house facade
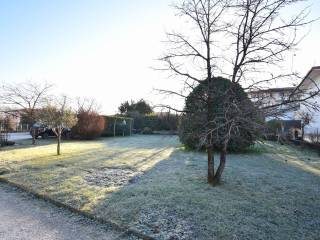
308	87
273	96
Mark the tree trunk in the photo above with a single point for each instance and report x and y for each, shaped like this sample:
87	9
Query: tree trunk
33	136
59	143
222	164
210	164
210	117
302	133
114	127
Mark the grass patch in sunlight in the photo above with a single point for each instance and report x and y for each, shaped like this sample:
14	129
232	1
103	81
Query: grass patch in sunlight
64	177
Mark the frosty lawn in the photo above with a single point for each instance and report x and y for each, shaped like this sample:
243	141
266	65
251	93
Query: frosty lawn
152	184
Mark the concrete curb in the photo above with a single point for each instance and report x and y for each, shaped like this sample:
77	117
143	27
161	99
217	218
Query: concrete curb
117	226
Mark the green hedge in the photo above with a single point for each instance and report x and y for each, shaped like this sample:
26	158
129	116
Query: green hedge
114	126
156	122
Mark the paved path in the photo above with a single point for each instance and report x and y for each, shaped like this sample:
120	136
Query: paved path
22	217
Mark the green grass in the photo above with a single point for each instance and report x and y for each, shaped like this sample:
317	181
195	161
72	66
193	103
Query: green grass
270	192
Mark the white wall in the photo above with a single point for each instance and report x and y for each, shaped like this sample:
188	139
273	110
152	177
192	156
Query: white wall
315	123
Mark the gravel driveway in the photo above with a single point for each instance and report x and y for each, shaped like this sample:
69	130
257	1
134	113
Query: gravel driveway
24	217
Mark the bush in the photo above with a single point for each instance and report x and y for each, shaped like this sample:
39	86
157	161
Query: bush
89	126
10	143
192	126
4	140
314	137
147	130
155	121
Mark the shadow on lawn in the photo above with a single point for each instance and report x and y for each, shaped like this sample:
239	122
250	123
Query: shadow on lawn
261	197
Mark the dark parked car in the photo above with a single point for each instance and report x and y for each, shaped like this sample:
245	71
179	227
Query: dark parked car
45	132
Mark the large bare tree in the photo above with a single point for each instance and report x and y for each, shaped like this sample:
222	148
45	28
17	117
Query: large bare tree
244	40
24	99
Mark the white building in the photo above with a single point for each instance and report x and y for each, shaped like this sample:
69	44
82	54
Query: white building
271	97
309	86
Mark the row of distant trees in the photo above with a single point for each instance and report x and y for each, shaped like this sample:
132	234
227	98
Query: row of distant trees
34	103
146	120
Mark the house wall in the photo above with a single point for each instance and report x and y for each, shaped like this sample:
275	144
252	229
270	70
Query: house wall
314	126
310	84
267	98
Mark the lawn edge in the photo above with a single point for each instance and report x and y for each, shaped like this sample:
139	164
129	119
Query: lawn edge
117	226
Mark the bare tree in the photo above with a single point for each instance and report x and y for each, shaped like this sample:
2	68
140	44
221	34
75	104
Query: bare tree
263	39
58	115
87	105
206	16
248	48
24	99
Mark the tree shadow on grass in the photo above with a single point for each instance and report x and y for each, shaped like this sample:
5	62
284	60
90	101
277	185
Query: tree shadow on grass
260	198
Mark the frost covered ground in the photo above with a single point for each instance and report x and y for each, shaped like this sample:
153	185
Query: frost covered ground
152	184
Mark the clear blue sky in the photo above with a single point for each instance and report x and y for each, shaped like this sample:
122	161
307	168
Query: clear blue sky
98	48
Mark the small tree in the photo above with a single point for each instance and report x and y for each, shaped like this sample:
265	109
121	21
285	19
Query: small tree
58	116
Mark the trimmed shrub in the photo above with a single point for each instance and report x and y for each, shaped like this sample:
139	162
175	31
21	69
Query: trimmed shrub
147	131
89	126
155	121
193	124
